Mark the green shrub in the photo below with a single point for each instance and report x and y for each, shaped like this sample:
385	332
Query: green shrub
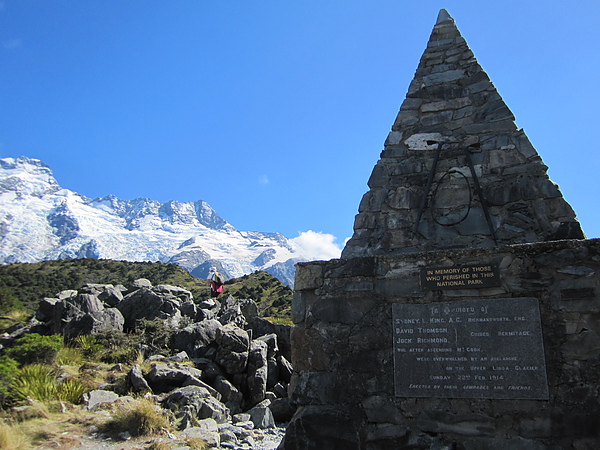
89	345
35	349
155	333
110	347
8	302
8	370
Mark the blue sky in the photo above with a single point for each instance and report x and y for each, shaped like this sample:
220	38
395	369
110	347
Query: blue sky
275	112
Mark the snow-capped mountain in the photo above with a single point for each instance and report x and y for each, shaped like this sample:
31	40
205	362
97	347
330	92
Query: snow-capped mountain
39	220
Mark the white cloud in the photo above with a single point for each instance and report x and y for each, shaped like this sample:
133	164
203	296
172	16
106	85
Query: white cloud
314	245
263	179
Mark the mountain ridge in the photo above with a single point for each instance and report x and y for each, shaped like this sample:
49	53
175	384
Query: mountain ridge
40	220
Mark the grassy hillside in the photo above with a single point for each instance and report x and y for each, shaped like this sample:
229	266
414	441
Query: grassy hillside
23	285
275	298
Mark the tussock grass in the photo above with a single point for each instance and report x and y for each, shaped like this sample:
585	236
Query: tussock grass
140	417
157	445
34	410
10	318
197	444
58	429
69	356
13	438
280	320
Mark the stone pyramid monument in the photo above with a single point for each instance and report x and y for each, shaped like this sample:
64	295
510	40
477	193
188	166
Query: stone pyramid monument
456	171
464	312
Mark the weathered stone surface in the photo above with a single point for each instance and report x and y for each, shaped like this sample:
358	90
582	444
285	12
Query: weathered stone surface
207	430
189	309
222	381
166	377
141	283
262	417
109	319
179	292
230	395
140	304
87	303
282	410
348	310
261	327
311	277
315	428
137	380
62	295
96	398
382	409
46	309
257	371
80	314
232	362
107	293
231	313
387	436
561	275
232	338
501	444
210	370
197	338
285	369
197	401
249	309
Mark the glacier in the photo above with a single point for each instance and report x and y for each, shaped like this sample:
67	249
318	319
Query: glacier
40	221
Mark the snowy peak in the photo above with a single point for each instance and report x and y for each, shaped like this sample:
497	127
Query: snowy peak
131	211
135	212
197	213
209	217
40	221
25	176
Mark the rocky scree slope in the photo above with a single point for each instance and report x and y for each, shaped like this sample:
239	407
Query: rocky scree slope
226	370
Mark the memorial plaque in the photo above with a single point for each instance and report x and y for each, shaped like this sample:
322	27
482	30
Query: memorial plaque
485	348
460	277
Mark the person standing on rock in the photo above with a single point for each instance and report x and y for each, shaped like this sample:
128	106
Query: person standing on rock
216	281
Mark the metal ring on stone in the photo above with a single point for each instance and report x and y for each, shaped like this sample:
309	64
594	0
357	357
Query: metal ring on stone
434	194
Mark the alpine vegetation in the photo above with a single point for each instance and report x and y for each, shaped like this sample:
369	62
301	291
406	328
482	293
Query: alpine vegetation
212	369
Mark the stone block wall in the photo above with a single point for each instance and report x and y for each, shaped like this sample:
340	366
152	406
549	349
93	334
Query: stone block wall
343	353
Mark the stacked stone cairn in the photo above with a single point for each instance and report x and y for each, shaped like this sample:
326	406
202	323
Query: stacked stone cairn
227	370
